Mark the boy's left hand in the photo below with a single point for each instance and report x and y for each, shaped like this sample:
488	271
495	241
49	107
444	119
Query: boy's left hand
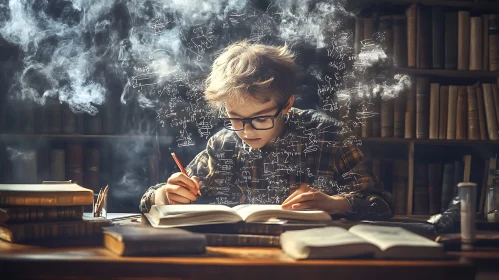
307	198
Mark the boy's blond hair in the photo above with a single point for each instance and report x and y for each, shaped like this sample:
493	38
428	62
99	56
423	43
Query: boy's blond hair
251	70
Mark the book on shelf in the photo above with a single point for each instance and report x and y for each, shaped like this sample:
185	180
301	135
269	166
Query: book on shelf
74	163
148	241
399	186
436	37
493	34
360	240
165	216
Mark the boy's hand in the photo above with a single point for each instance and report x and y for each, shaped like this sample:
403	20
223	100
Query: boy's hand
179	189
307	198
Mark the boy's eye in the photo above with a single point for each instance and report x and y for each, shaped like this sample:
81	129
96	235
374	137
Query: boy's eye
261	120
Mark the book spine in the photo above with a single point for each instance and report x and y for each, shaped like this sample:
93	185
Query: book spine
410	114
46	199
424	34
421	189
447	186
451	34
74	163
411	14
461	116
387	115
68	120
443	112
376	119
93	124
490	111
481	114
434	106
399	114
463	41
46	230
400	179
495	93
435	187
54	111
33	214
399	41
476	43
43	164
244	240
422	108
258	229
493	33
438	38
359	34
473	125
57	165
386	33
452	111
485	44
184	246
92	169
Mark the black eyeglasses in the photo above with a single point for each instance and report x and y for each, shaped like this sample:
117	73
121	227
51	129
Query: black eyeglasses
258	123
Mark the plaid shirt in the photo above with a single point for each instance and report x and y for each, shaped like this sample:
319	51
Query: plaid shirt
313	149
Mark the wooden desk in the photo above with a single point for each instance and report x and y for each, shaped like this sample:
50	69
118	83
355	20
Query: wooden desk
31	262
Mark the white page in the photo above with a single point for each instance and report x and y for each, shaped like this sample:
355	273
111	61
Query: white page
167	210
386	237
244	210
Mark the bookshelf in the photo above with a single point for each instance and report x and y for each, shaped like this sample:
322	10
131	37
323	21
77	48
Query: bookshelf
429	74
449	73
472	5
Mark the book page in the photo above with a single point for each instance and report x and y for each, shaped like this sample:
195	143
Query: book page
168	210
263	212
327	242
244	210
387	237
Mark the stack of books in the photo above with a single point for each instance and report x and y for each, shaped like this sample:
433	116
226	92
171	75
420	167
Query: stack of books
34	213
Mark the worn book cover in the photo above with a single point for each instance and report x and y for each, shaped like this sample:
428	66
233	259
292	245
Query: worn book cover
147	241
44	195
22	214
42	231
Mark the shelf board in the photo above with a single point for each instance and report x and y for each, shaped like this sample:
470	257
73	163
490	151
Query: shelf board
474	5
8	136
449	73
428	141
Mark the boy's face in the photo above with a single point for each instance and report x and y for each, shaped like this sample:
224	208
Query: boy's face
248	108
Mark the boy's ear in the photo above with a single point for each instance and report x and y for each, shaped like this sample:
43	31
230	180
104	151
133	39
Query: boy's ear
290	102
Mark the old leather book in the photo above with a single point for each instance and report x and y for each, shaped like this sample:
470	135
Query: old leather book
146	241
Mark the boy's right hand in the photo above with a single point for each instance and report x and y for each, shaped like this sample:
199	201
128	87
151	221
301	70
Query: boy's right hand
179	189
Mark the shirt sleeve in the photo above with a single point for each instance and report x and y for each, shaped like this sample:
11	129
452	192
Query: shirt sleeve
201	166
362	188
146	200
344	170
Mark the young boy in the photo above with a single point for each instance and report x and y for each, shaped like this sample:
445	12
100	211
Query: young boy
270	152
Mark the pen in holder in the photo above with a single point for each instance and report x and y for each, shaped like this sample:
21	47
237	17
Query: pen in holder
99	208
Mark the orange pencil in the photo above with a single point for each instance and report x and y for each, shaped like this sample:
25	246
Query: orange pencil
177	161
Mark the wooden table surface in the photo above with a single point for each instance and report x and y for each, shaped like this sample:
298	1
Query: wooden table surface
32	262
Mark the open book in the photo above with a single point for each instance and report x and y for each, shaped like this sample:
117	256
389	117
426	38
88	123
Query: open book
192	214
359	240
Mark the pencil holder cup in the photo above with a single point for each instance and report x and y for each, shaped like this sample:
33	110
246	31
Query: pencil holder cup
99	208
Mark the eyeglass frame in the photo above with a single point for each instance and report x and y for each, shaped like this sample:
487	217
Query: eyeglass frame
250	120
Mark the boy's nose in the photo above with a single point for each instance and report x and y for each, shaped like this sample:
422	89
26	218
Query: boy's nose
247	127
